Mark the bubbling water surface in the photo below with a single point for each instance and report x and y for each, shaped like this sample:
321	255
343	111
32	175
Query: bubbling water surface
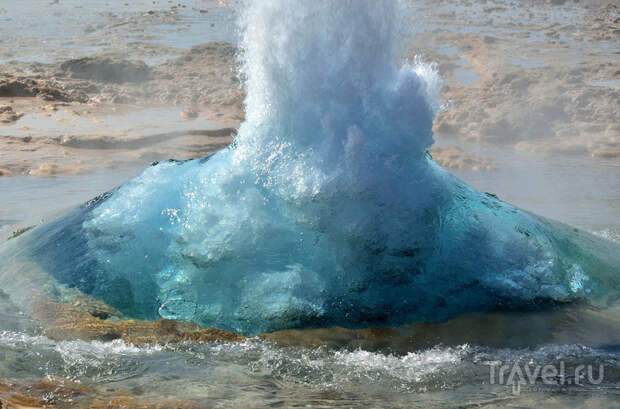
327	209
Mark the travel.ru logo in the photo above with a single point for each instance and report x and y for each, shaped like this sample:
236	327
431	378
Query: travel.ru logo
517	375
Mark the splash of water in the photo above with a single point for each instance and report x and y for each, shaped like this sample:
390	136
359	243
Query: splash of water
326	209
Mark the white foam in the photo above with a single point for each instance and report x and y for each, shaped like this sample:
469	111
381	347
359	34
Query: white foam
609	234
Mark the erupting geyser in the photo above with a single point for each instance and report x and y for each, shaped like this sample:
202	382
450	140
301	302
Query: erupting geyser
326	210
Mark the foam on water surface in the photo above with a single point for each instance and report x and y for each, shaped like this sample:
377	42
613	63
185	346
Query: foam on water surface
256	373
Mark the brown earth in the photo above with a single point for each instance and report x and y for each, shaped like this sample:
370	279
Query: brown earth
73	95
545	86
100	322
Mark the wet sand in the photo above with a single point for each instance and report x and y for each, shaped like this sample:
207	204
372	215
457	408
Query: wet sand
539	80
105	112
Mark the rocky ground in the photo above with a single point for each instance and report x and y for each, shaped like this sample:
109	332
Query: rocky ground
52	114
536	79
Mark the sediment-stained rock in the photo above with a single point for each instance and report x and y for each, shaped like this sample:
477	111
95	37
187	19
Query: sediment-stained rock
454	158
7	115
88	321
106	69
13	86
65	393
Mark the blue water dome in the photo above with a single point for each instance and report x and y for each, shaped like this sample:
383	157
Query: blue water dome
327	208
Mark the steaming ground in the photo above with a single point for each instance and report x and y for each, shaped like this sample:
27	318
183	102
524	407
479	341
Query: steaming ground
545	83
93	112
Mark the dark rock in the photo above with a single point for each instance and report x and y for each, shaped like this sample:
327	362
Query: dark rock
106	69
13	87
7	115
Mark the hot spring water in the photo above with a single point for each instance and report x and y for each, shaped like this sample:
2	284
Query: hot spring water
327	208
